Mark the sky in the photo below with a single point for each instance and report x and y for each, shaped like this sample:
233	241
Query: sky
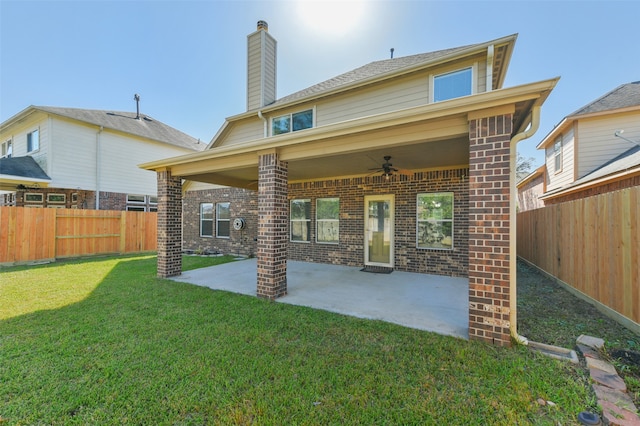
187	59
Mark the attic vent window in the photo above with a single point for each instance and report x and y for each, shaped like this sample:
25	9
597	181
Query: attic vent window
292	122
452	85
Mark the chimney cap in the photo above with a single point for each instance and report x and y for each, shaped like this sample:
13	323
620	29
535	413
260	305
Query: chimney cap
262	25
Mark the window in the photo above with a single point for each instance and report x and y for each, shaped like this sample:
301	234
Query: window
223	220
292	122
206	220
153	200
133	198
33	141
7	149
435	220
56	198
452	85
300	220
557	154
327	220
33	198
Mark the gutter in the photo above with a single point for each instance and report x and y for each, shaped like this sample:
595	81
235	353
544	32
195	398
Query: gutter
534	122
98	138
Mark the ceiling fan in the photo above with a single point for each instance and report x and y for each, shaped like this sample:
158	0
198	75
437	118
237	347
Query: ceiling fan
387	169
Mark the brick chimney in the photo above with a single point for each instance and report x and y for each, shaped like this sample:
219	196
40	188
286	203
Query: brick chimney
261	67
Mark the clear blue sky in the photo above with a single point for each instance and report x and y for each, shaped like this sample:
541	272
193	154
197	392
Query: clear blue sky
187	59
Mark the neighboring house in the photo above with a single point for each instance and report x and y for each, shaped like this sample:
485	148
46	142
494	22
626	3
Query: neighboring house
585	154
402	164
530	189
86	159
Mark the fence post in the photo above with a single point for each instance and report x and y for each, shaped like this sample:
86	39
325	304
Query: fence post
123	231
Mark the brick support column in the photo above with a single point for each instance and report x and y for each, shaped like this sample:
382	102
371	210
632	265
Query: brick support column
273	226
489	227
169	225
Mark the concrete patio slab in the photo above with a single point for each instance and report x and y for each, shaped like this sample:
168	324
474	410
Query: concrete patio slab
426	302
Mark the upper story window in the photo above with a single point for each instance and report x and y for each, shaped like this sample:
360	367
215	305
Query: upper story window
7	149
292	122
557	154
453	84
33	141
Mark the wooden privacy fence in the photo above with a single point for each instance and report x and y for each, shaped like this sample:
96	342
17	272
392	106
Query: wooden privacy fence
591	244
31	234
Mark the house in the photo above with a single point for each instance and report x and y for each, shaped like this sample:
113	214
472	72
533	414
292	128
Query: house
404	164
530	189
86	159
595	149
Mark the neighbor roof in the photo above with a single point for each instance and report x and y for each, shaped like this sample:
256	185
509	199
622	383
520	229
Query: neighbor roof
24	167
624	96
146	126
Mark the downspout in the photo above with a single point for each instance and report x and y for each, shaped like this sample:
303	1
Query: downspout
264	119
513	300
98	137
489	80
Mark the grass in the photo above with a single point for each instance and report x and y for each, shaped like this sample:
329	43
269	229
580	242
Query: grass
104	341
548	313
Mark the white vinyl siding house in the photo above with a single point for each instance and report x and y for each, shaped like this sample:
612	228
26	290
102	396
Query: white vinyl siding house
94	151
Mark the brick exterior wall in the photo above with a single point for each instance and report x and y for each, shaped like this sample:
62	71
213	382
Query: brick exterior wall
169	225
351	193
243	204
273	226
82	200
590	192
489	229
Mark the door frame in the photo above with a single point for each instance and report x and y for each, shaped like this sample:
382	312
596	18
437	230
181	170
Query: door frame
379	197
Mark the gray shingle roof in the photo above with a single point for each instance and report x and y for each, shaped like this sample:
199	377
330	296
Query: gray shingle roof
25	167
146	126
371	70
624	96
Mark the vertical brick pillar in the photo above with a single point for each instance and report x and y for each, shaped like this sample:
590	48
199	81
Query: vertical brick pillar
169	225
273	226
489	268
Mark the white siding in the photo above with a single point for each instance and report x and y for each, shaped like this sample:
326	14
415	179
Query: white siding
18	135
597	143
565	176
73	156
119	159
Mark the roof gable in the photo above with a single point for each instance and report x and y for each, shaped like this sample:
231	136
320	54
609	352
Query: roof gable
391	67
126	122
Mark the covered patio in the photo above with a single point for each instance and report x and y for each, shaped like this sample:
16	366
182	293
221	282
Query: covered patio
433	303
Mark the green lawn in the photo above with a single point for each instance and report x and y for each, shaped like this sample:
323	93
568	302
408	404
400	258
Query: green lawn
104	341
